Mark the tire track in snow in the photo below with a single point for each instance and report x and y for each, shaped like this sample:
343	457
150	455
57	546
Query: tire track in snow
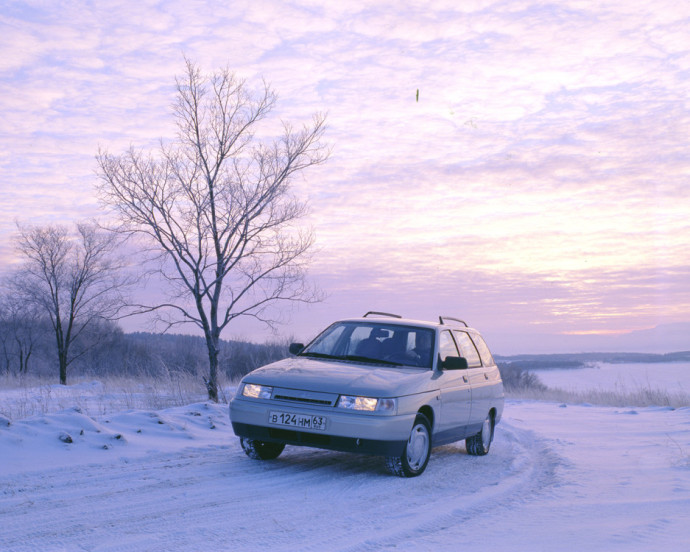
304	500
519	468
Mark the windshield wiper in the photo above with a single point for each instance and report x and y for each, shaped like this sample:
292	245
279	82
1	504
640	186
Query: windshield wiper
357	358
353	358
319	355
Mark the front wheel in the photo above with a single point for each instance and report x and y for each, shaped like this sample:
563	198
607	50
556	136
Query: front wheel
479	444
259	450
415	457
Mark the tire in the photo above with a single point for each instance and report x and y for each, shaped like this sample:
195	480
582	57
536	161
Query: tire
479	444
259	450
417	451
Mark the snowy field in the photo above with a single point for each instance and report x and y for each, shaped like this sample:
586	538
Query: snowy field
558	477
624	377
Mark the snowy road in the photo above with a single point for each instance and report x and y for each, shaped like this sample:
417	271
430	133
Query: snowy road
557	478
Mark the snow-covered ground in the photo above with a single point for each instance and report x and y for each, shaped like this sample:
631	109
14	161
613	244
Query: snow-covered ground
558	477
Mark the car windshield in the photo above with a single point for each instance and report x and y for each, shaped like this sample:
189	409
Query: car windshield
377	343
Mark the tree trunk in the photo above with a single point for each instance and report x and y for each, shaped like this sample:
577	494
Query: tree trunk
26	361
62	355
212	381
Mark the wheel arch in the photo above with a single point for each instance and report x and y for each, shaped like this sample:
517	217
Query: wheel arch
429	413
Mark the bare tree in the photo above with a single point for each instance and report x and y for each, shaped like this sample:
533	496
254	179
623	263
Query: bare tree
74	279
216	204
21	329
6	341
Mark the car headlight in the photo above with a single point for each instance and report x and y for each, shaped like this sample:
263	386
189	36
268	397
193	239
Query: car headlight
367	404
254	391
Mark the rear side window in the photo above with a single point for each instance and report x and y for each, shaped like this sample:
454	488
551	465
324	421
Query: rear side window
467	349
487	359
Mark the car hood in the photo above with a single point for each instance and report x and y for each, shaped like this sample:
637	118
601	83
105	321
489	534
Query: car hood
346	378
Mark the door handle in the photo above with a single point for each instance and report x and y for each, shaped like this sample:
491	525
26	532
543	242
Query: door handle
464	378
486	376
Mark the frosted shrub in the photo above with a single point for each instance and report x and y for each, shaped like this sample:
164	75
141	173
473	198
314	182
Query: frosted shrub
516	378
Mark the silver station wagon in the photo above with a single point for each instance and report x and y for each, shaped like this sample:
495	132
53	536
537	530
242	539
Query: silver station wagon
379	385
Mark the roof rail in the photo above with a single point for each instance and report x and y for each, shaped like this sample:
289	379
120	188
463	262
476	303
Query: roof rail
442	320
382	314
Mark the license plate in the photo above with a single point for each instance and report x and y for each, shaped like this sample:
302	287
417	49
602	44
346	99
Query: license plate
301	421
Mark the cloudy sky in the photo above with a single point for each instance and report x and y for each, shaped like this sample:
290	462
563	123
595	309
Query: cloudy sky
539	186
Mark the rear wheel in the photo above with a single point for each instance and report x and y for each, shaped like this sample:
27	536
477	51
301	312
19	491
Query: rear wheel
415	457
260	450
479	444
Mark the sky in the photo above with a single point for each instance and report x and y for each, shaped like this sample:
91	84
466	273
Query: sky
538	186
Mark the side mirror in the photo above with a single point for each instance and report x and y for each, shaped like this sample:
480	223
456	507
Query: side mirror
296	348
455	363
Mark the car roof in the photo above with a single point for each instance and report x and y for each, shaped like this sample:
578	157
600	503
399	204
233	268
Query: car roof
394	321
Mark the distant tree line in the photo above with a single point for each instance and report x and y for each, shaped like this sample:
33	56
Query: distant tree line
28	347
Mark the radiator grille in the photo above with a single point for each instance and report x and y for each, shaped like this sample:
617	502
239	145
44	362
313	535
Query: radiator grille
306	400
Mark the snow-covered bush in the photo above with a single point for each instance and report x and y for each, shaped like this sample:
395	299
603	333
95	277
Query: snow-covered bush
517	378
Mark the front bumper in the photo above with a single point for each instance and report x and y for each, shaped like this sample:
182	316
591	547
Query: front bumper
345	431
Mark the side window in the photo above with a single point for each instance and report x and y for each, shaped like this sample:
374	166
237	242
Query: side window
446	346
487	359
468	350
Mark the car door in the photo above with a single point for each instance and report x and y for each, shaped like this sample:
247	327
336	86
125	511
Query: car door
493	386
476	373
456	394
